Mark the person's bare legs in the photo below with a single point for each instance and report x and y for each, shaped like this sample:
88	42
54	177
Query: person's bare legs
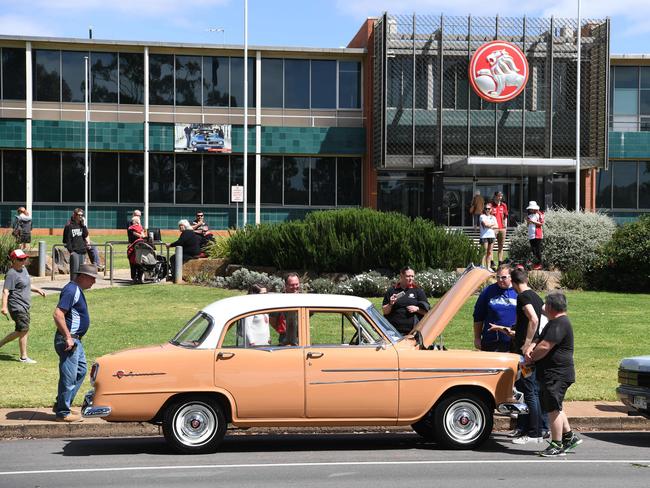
559	424
22	343
13	336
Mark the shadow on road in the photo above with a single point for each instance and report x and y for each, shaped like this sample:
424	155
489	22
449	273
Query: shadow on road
266	443
629	439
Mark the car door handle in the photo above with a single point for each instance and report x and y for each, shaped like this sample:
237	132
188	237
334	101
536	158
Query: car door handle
314	355
225	355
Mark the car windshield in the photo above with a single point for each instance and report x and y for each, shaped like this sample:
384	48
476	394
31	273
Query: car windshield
386	327
194	332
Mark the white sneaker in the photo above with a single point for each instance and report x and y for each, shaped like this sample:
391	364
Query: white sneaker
524	439
27	360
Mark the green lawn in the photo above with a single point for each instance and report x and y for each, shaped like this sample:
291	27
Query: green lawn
607	327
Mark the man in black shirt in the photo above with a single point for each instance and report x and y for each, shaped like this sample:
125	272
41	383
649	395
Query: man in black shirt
75	236
552	353
530	427
405	302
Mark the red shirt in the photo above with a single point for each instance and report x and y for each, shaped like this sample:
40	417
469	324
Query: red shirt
500	211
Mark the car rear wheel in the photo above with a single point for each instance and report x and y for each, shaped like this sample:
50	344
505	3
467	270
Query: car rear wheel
194	425
462	421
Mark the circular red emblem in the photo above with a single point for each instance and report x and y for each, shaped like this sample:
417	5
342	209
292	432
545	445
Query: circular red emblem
498	71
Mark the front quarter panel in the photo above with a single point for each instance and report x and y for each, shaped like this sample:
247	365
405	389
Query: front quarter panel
135	384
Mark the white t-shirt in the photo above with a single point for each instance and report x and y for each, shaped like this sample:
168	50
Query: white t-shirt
487	232
257	330
533	233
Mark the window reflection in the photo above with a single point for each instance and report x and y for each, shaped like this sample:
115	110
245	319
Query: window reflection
604	189
216	80
131	178
13	73
103	72
161	178
323	84
349	84
296	181
237	82
47	176
13	176
272	70
47	71
644	184
188	178
323	177
188	80
161	79
296	83
216	188
132	78
271	175
237	175
72	176
348	181
73	79
624	190
103	175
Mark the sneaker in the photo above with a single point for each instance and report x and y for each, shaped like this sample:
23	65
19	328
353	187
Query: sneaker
27	360
73	417
516	433
524	439
554	449
571	443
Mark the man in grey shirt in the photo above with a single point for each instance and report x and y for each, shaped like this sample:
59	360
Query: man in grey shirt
17	300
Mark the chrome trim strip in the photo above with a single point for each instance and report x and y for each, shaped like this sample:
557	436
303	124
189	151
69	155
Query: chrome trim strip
455	370
352	381
361	370
447	376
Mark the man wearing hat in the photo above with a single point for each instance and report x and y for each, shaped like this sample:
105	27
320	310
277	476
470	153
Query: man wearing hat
17	300
535	220
72	321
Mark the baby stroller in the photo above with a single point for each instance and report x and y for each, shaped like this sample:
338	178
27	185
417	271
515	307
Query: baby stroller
150	267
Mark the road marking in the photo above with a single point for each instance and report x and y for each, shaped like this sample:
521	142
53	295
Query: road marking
333	463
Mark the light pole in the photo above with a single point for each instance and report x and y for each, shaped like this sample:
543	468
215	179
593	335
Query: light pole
86	118
578	114
245	112
218	29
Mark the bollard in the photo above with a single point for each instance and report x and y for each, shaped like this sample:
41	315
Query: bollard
178	265
42	258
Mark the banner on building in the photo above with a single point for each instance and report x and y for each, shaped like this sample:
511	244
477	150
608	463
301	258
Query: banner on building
213	138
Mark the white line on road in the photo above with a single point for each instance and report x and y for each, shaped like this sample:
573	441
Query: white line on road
334	463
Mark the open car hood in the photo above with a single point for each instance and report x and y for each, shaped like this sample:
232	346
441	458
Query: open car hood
435	321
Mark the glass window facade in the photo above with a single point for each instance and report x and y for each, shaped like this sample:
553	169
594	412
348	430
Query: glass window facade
216	177
216	81
188	80
73	79
13	73
47	176
323	84
131	78
104	77
161	79
188	178
161	178
272	88
237	82
47	75
323	181
131	178
13	176
296	181
72	176
625	186
103	177
349	84
296	83
348	181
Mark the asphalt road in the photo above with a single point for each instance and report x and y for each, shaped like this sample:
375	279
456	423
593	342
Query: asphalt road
605	459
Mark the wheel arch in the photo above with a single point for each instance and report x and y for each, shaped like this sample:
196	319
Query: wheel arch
478	390
221	398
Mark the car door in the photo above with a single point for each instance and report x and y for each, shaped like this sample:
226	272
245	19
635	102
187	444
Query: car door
265	379
351	370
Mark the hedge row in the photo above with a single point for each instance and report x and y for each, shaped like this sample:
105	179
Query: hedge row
351	241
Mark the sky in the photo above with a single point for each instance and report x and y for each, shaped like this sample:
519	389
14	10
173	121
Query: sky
308	23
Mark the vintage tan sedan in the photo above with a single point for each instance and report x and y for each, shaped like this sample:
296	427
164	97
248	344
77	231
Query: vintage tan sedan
336	361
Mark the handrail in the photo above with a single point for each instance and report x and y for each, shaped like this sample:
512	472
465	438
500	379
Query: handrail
54	246
110	244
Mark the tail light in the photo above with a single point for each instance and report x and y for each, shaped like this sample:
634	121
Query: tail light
93	373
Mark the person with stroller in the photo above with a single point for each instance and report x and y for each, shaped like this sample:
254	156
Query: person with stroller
189	240
135	232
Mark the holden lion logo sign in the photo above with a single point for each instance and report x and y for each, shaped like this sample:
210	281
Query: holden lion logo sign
498	71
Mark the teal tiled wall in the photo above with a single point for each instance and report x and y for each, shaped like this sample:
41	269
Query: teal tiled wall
161	137
629	145
102	136
219	218
12	133
303	140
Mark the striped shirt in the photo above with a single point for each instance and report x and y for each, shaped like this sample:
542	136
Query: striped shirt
73	302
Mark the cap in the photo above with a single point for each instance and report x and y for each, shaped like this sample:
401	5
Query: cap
532	205
88	269
18	254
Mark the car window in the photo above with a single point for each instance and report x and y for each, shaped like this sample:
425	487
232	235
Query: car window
278	328
194	332
341	328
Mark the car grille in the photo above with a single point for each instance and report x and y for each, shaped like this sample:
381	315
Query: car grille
633	378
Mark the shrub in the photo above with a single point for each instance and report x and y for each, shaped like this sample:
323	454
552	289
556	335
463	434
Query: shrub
573	279
436	282
7	244
219	249
370	284
243	278
623	262
538	281
323	285
571	239
352	240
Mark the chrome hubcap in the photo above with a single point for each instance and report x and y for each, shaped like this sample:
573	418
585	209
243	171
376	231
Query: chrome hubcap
195	424
464	421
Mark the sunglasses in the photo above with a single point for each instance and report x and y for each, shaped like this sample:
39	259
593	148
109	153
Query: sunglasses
502	278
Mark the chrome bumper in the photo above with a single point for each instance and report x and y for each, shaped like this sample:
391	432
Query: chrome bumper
89	410
508	408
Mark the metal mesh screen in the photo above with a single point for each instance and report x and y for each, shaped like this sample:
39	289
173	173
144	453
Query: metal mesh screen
430	114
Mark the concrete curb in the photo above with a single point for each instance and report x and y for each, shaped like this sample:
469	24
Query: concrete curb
99	428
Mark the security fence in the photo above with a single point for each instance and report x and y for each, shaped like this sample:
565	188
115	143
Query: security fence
425	113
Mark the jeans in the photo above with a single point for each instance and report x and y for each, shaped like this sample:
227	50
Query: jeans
75	260
535	422
72	371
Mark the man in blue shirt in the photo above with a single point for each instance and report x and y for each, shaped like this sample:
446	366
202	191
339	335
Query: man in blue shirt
496	305
72	321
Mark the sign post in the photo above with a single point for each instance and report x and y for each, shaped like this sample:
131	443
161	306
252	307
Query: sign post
237	195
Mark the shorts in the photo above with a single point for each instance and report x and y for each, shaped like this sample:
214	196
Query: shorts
487	240
501	237
552	394
22	320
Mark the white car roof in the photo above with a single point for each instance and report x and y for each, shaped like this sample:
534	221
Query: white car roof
224	310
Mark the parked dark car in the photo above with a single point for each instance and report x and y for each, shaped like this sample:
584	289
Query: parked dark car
207	141
634	383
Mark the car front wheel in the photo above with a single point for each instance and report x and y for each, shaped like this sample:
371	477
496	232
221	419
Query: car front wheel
462	421
194	425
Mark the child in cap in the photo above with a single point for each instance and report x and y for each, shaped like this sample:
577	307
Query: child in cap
17	300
